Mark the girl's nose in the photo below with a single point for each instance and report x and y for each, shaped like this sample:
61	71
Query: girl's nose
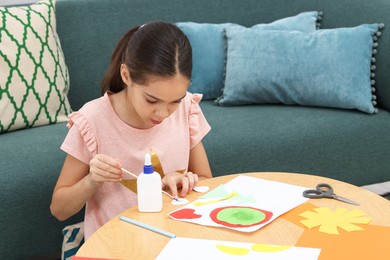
162	112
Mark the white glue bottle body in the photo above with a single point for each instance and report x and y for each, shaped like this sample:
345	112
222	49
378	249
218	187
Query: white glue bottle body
149	188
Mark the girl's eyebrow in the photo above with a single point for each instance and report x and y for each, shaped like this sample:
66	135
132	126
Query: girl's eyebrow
151	96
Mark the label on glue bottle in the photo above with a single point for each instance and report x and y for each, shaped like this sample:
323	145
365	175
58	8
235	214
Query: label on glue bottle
149	188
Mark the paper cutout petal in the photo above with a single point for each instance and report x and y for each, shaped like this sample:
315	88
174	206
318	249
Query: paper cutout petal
218	192
310	223
364	220
240	251
350	227
227	197
243	199
131	184
329	229
355	213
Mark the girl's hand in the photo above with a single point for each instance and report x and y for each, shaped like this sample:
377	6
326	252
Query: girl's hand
186	181
103	168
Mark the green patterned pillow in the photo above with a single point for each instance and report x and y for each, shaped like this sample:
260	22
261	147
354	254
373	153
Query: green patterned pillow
34	79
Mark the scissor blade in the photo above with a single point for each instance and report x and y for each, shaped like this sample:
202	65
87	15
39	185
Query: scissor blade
346	200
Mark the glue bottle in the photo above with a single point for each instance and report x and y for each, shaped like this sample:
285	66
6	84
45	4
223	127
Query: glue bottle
149	188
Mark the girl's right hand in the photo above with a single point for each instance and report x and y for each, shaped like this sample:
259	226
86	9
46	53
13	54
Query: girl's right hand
103	168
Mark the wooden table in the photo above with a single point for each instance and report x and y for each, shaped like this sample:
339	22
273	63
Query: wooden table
120	240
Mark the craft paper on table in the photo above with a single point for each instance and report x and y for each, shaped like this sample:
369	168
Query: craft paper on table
244	204
214	249
328	221
371	242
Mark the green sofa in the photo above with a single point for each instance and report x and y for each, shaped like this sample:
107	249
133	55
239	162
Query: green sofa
347	145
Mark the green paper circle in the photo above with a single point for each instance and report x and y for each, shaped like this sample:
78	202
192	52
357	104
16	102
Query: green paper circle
241	216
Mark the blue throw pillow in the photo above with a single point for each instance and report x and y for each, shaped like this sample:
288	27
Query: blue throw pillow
329	68
209	52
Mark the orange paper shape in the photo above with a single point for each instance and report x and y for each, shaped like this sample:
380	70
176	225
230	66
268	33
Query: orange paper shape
370	243
293	215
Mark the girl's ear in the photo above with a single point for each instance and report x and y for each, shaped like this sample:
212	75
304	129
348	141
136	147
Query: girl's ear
125	74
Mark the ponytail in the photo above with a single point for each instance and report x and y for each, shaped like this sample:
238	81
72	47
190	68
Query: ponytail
112	80
155	49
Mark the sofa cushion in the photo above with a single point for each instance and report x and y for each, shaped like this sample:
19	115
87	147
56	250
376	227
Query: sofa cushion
34	79
329	68
209	52
342	144
30	164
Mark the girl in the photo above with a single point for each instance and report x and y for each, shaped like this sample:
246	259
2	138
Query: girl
145	107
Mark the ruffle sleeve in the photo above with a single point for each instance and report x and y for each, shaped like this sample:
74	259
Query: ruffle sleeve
198	124
85	130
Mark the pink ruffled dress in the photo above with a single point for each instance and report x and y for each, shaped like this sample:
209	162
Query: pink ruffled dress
97	129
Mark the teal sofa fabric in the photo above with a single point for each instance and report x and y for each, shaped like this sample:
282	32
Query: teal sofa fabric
347	145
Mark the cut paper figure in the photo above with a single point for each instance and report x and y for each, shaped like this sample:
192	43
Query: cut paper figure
370	243
329	220
185	214
214	249
218	192
233	250
244	204
157	166
179	201
131	184
201	189
237	216
201	203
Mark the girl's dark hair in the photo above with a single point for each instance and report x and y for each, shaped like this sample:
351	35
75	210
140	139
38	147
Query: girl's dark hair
154	49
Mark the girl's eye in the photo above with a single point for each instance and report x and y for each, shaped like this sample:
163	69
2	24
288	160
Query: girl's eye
151	101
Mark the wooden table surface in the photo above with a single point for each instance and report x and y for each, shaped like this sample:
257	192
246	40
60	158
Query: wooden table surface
120	240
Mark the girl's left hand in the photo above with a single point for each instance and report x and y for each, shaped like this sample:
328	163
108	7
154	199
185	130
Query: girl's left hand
187	181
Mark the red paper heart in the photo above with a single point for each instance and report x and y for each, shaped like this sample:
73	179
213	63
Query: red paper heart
185	214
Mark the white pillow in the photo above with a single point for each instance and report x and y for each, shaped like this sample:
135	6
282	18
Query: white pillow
34	79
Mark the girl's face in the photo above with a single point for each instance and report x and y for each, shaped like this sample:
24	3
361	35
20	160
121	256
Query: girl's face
156	100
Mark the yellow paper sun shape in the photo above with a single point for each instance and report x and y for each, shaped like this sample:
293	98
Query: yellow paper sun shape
329	220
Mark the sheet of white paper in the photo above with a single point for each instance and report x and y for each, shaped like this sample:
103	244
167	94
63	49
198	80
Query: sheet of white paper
179	248
248	194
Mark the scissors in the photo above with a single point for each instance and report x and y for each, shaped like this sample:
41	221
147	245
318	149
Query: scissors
324	190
